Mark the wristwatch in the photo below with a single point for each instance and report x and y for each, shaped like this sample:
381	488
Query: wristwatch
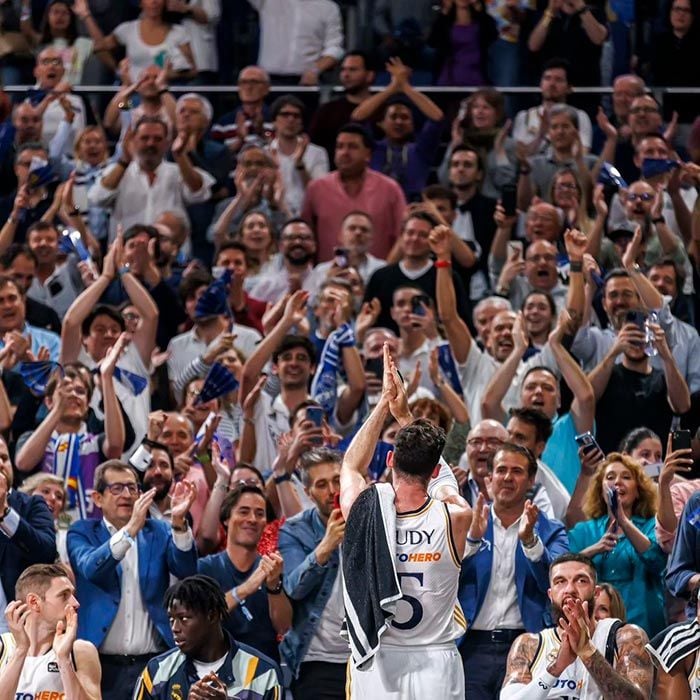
276	590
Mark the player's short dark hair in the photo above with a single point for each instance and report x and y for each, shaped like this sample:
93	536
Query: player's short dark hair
518	450
289	342
531	416
466	148
574	556
560	63
417	449
364	55
37	579
200	594
41	226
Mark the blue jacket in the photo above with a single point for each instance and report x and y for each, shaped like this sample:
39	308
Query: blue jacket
531	577
684	562
34	541
98	575
306	582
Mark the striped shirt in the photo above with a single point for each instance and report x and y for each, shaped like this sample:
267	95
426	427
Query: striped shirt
245	673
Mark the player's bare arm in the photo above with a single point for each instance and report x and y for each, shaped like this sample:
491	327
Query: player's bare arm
675	685
520	658
632	678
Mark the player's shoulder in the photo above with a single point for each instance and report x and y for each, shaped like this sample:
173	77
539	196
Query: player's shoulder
630	634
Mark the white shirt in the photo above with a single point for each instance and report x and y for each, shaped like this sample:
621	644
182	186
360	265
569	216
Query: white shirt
132	630
315	160
54	115
137	201
188	346
59	290
272	286
296	33
271	420
136	408
500	607
142	55
202	37
476	374
527	126
407	365
327	644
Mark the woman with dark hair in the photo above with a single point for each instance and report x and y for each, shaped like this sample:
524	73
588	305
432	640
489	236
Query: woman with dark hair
480	125
675	59
620	538
462	35
642	444
152	39
59	30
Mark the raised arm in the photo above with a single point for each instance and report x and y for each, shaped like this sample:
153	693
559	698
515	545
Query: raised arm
294	313
458	334
677	390
492	398
583	405
71	335
113	445
145	337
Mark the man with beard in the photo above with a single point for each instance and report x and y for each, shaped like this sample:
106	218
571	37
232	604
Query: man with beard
141	184
355	238
580	656
159	475
354	187
415	268
259	610
503	585
206	661
298	250
356	77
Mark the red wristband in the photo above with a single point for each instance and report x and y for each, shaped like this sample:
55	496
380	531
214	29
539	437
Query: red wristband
443	263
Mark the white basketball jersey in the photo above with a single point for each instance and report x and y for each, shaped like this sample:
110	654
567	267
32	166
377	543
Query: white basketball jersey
40	678
694	676
427	566
575	683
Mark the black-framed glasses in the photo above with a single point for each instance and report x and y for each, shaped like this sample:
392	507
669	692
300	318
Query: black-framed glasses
118	488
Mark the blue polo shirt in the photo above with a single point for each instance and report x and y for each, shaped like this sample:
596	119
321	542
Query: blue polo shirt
258	632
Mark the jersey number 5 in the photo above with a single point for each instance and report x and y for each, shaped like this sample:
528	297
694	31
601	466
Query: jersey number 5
416	607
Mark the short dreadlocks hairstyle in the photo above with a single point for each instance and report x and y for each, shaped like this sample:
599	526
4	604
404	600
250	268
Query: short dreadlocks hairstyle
198	593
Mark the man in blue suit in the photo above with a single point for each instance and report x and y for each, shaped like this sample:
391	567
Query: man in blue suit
27	534
505	572
122	565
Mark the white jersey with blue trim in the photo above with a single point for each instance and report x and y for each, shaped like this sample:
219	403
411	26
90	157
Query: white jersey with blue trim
575	683
427	566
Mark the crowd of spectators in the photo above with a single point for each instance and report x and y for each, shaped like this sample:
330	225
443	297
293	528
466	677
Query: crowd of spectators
194	302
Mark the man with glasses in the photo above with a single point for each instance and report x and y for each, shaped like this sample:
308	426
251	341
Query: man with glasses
123	563
49	73
259	610
251	119
298	253
298	160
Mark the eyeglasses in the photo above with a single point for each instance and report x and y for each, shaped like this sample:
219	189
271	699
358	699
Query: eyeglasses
291	115
304	237
131	317
644	110
641	197
118	488
565	186
50	62
481	442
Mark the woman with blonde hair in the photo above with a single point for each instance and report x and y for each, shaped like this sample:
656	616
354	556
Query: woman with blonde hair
620	539
609	603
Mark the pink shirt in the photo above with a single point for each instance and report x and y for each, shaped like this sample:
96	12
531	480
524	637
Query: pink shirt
327	203
681	491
